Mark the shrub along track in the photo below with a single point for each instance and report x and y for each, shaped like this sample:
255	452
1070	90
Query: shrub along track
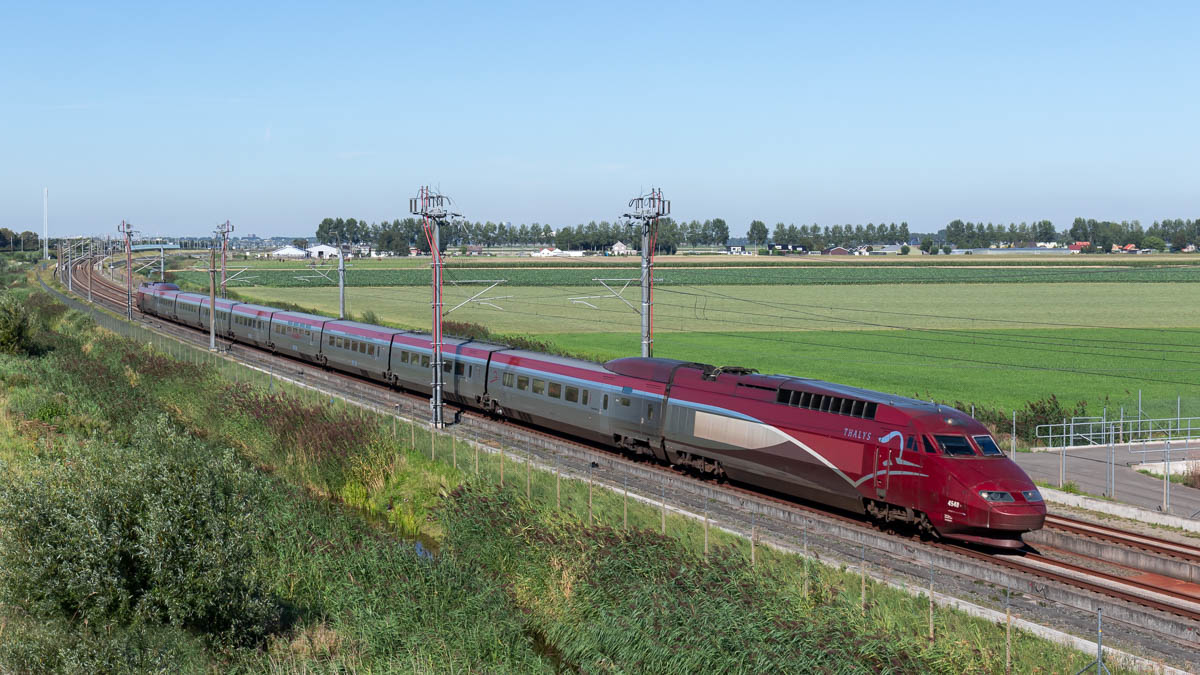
1165	627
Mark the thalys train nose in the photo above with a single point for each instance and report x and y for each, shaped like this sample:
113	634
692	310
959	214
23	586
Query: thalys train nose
1019	510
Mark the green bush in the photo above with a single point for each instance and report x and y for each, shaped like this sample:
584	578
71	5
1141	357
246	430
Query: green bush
15	330
163	532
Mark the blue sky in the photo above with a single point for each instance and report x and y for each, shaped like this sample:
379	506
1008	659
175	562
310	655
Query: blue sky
177	116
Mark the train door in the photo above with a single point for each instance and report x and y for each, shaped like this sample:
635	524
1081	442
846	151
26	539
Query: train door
883	474
906	470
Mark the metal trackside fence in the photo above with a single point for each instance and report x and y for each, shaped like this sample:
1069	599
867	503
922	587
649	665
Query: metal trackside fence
1088	431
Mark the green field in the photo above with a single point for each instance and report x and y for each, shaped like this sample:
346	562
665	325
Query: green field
991	345
755	275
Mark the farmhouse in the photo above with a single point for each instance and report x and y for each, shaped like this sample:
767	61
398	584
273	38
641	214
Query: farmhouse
322	251
836	250
620	248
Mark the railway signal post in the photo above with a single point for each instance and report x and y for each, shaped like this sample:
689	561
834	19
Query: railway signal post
223	231
126	229
433	209
647	209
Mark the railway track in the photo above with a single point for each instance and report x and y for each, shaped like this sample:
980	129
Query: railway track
1183	606
1113	535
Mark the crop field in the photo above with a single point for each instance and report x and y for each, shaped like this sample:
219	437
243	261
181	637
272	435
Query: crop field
727	276
998	346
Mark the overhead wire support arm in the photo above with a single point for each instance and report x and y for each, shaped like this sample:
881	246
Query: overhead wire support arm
476	298
612	293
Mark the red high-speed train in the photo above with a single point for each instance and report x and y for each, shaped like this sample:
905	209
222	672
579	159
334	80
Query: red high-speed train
894	458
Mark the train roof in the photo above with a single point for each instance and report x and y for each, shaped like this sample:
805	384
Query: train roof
251	309
660	369
512	355
300	317
222	303
360	329
869	395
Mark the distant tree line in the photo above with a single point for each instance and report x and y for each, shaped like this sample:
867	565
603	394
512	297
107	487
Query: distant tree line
815	237
25	241
1102	234
979	235
401	234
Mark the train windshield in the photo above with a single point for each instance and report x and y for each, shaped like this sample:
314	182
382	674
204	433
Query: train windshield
988	446
955	446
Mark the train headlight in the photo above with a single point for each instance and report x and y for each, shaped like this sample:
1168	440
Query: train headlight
1032	495
995	496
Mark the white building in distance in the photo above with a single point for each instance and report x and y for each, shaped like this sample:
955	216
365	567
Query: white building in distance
289	252
323	251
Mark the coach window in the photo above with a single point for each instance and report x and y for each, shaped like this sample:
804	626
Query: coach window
539	386
605	402
584	398
555	390
508	379
522	382
403	357
458	368
572	394
371	349
649	412
624	401
424	360
470	371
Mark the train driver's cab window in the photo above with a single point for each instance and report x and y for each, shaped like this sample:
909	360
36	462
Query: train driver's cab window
928	446
987	446
955	446
458	368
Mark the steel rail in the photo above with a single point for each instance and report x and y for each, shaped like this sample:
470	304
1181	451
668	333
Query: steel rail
1114	535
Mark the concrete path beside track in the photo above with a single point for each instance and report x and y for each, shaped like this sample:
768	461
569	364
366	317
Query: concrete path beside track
1087	467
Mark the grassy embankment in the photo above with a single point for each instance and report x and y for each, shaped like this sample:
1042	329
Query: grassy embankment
169	493
994	346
